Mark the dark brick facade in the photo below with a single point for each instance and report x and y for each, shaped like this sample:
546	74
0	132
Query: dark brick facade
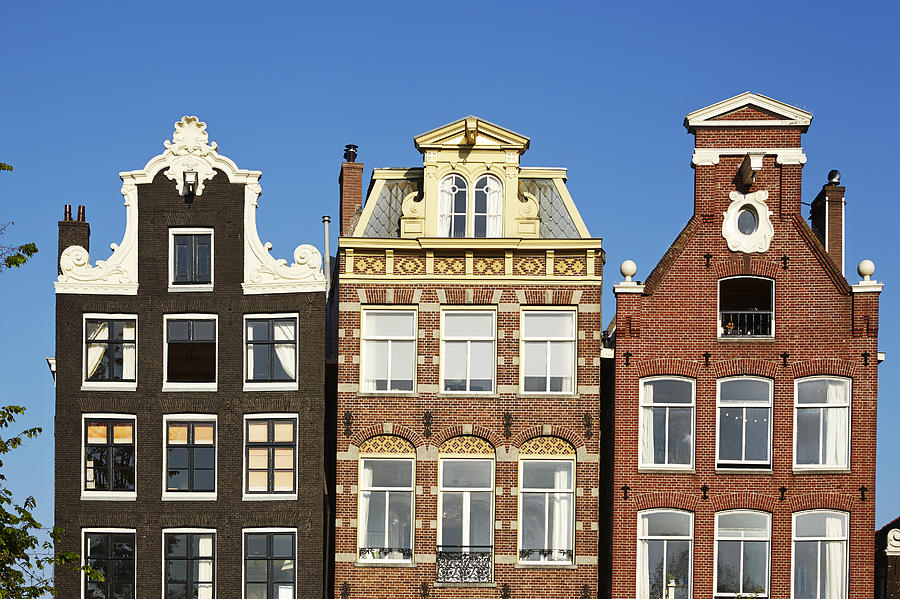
221	207
887	567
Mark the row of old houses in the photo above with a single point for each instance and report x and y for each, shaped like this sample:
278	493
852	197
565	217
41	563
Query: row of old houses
442	410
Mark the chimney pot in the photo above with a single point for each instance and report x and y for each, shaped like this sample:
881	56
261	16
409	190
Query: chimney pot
350	152
81	214
67	213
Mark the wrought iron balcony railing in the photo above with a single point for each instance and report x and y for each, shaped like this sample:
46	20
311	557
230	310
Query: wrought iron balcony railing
459	563
385	553
746	323
547	555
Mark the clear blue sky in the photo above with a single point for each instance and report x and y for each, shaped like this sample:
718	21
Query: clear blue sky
90	89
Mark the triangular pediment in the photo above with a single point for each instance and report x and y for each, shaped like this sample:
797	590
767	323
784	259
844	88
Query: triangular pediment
748	110
472	132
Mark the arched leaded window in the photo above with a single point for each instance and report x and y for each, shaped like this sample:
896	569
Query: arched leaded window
820	555
742	553
487	209
452	206
475	214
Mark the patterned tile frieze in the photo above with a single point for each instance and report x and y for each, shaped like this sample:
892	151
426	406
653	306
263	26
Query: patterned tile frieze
466	444
573	266
547	446
387	444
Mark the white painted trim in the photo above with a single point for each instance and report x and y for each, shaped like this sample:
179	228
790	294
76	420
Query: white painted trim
273	386
245	496
212	258
643	466
200	531
710	156
362	347
791	115
824	468
166	385
845	539
190	495
107	495
244	532
843	235
743	464
107	385
767	590
761	237
86	531
467	308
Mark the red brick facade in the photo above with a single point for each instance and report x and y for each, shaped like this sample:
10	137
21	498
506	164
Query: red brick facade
669	326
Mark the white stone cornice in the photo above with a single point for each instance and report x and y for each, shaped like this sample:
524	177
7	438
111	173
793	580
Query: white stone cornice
867	287
893	542
710	156
628	287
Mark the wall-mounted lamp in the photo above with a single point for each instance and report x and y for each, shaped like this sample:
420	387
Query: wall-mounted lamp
190	185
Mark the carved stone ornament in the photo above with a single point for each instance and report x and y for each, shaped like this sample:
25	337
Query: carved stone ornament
528	221
190	150
412	219
747	226
893	542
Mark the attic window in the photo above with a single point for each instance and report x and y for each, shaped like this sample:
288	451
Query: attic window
470	214
746	307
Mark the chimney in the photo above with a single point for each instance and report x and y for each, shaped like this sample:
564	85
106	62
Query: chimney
350	182
73	232
826	215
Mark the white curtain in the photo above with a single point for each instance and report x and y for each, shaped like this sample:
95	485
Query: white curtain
95	352
128	350
284	331
647	427
835	453
364	498
445	204
834	558
495	209
562	515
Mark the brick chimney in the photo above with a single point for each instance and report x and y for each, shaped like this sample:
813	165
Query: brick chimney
350	182
826	216
73	232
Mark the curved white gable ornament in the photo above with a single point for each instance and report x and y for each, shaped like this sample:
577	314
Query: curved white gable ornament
756	241
190	150
893	542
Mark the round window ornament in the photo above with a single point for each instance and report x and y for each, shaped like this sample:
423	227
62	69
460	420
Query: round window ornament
747	225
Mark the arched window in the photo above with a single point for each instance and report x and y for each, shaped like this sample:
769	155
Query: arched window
822	423
742	553
746	307
479	214
546	501
820	555
744	423
667	423
386	499
665	551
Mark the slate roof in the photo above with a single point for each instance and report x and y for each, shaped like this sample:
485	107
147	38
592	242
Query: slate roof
385	219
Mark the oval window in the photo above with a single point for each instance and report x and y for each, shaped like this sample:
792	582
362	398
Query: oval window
747	220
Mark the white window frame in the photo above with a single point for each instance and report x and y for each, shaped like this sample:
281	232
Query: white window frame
467	494
245	531
573	310
468	309
848	406
270	385
846	540
107	495
191	531
87	385
412	516
719	331
189	495
748	465
544	563
107	530
641	539
716	540
364	338
212	256
471	183
170	386
693	406
270	496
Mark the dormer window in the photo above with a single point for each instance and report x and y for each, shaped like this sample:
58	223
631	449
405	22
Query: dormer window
746	308
464	214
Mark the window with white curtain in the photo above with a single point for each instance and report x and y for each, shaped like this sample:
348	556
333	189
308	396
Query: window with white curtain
667	423
546	511
820	555
548	351
665	553
189	564
386	500
479	214
468	340
110	344
742	553
822	423
744	423
271	348
388	350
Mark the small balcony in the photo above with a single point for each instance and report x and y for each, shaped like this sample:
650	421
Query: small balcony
464	564
746	323
746	308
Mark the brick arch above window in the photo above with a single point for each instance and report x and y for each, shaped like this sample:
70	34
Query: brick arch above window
468	445
743	501
459	430
669	366
387	429
745	366
549	431
820	501
666	499
823	367
754	267
546	445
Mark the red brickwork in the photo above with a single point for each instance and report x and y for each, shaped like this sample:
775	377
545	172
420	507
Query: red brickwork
821	326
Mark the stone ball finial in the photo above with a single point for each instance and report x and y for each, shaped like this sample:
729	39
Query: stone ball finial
866	269
628	270
834	177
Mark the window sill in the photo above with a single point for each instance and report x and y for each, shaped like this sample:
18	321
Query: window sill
270	497
561	566
287	386
188	496
458	394
109	386
190	288
465	585
547	395
739	339
167	387
387	394
739	470
385	564
667	470
799	470
109	495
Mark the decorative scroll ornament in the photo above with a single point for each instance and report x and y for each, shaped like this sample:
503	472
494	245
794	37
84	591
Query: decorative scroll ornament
754	231
412	219
528	221
893	542
189	145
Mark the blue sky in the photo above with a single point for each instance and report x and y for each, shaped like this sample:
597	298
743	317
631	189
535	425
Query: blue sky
90	89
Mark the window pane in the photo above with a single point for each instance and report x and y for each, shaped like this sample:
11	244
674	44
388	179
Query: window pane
283	481
258	458
535	367
178	434
834	443
678	566
284	432
191	362
122	432
255	545
655	552
176	570
96	432
257	591
454	366
178	457
546	474
258	480
97	330
389	324
374	505
666	524
451	518
388	473
830	391
284	457
562	363
399	520
258	363
257	431
178	330
744	390
757	430
466	473
176	545
481	366
204	480
680	440
481	529
731	433
533	522
204	330
177	479
256	570
204	434
467	325
403	361
376	365
743	525
559	521
756	555
654	449
283	545
667	391
257	330
805	570
554	325
204	457
833	574
821	524
283	570
808	435
728	567
204	256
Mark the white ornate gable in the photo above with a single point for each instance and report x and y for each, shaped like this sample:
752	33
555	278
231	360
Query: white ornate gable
190	150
